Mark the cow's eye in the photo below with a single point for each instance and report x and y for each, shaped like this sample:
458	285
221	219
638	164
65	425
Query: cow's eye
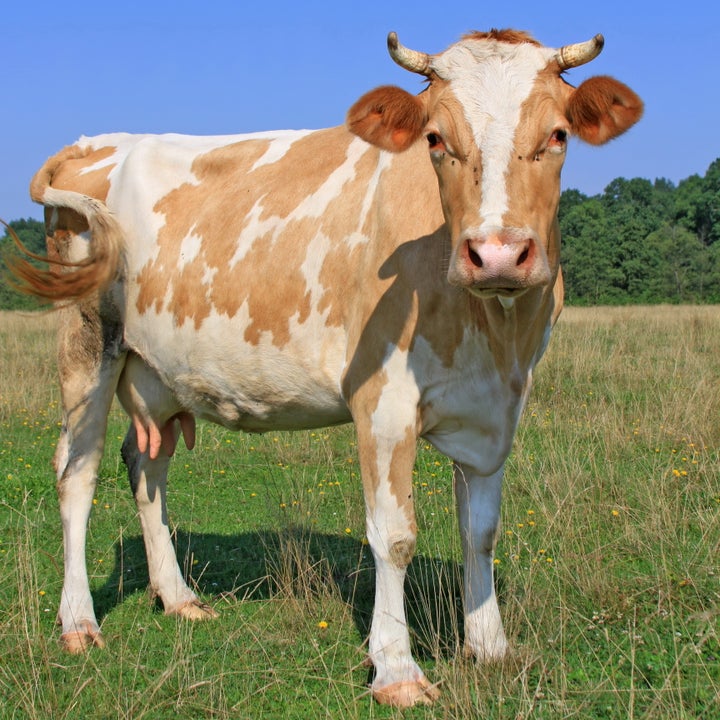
558	138
435	142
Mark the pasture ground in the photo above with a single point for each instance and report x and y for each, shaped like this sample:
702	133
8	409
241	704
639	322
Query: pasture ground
607	561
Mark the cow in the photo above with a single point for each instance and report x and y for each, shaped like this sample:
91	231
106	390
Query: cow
400	272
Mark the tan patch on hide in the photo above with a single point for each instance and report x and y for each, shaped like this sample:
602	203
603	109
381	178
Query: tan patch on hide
341	275
403	454
403	460
201	209
533	174
72	174
216	210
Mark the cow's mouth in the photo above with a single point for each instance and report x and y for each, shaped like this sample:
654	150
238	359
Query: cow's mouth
499	292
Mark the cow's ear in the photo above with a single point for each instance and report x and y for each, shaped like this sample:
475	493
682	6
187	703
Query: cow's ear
388	117
602	108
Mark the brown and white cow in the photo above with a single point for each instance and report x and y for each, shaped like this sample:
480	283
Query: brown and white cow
401	273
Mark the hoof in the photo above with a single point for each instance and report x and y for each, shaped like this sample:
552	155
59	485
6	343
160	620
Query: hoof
193	610
79	641
406	694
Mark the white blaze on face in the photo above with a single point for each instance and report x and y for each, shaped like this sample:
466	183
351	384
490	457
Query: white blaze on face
492	80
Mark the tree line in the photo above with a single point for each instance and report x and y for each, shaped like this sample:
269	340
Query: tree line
643	242
636	242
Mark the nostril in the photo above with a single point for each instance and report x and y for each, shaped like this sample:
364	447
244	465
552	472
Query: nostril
473	256
527	254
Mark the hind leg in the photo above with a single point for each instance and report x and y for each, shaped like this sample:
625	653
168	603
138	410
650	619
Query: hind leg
90	360
146	451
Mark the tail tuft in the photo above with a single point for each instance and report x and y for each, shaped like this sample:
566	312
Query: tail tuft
65	280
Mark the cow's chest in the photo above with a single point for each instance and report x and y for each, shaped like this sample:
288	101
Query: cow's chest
470	411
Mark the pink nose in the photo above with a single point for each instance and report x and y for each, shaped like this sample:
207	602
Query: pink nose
493	256
501	259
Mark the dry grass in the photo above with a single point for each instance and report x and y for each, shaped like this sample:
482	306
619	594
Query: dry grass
27	362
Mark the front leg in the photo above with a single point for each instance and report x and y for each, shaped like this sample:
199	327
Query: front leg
478	507
387	455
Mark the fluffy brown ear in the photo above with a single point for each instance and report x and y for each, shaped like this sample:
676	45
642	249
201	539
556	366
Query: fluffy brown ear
602	108
388	117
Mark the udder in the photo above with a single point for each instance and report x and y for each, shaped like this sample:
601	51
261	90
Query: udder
156	415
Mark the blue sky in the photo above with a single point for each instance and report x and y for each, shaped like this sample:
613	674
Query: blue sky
72	68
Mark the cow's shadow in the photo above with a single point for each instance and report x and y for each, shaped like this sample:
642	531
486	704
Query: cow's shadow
225	569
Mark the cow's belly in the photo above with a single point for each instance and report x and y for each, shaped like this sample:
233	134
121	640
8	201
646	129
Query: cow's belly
255	386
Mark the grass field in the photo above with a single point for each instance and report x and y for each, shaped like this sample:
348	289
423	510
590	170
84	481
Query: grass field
608	561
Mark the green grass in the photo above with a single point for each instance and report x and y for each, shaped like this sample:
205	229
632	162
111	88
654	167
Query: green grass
608	572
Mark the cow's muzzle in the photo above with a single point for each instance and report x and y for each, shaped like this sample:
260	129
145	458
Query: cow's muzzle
504	261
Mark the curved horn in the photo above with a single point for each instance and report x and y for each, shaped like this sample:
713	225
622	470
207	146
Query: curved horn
571	56
417	62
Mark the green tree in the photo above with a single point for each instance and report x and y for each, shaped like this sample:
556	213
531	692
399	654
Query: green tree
683	271
32	235
588	255
570	199
697	204
627	244
635	208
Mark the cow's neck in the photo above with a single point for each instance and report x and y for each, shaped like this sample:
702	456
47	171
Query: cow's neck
515	332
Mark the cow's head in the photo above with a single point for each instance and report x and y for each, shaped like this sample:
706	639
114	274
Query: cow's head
497	115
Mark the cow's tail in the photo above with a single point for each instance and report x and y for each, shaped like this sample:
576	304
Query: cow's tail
65	279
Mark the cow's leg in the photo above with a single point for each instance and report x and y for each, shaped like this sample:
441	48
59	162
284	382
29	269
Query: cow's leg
89	363
387	460
148	479
146	451
478	506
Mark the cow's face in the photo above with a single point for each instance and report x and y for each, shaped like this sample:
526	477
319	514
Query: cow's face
497	116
